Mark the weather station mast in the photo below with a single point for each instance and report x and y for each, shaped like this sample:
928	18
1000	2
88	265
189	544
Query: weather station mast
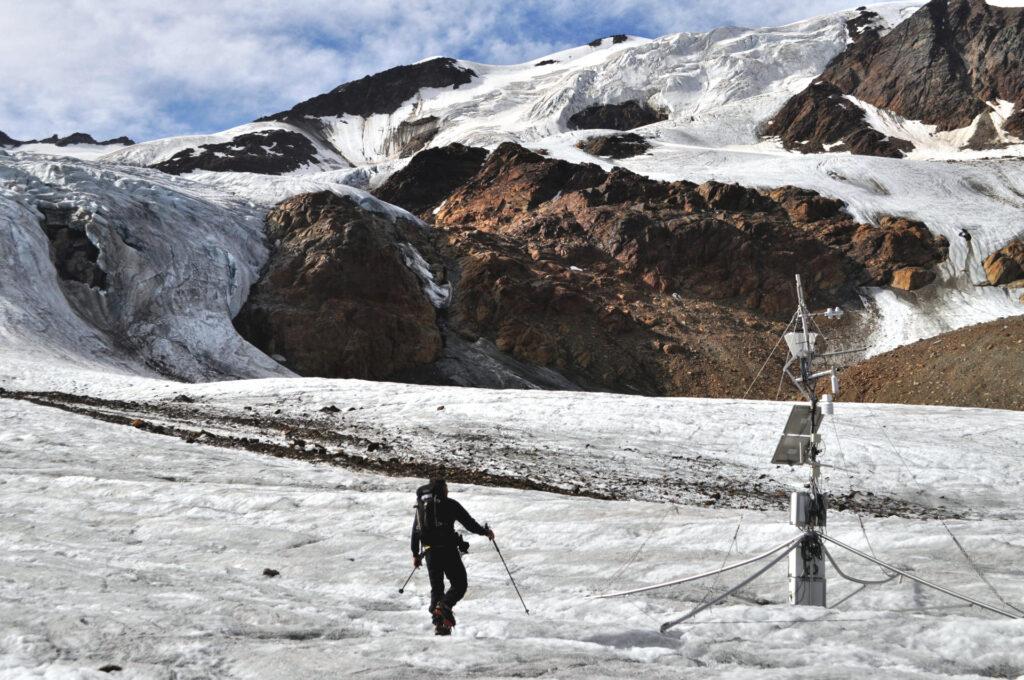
800	445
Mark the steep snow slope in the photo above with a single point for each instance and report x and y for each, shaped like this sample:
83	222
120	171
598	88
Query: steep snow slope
139	550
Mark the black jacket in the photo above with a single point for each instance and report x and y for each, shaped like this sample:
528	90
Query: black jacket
450	512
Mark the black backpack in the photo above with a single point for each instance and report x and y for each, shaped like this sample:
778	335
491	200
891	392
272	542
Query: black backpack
429	514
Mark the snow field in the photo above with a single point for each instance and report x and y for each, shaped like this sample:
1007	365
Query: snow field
124	547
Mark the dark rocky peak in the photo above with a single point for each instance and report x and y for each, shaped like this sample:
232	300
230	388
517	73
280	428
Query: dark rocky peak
6	140
82	138
941	66
382	92
123	140
431	176
622	116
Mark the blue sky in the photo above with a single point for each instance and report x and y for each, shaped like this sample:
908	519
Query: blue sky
151	69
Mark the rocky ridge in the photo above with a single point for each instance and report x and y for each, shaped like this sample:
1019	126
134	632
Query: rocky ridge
72	139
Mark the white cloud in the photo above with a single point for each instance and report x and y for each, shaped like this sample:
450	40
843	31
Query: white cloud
151	68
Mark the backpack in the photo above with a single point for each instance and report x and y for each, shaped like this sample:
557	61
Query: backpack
429	519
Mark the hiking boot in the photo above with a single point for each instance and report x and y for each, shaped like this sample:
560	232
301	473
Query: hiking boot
441	629
444	612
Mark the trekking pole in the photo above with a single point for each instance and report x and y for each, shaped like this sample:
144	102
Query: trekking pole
495	544
411	574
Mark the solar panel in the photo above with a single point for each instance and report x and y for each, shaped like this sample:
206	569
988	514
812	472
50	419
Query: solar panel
794	446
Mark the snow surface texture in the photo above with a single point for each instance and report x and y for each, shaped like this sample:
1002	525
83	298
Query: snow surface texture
122	547
717	89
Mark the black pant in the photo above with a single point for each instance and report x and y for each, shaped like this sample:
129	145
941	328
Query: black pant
445	561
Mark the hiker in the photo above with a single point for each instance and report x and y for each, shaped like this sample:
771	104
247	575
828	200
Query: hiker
434	529
966	236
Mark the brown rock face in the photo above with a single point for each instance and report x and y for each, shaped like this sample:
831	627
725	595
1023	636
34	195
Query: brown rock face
939	66
718	241
912	278
430	177
1006	265
337	299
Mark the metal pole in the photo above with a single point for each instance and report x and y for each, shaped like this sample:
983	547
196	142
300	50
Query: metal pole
495	544
929	584
411	573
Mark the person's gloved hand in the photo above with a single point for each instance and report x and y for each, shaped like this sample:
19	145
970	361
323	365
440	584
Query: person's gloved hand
416	561
490	533
463	547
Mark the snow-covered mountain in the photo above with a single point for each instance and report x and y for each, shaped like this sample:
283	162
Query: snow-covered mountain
701	102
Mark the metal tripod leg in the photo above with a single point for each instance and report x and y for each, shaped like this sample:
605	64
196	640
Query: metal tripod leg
697	610
929	584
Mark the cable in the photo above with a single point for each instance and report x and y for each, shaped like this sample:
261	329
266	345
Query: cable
770	354
849	479
853	579
945	526
618	572
714	584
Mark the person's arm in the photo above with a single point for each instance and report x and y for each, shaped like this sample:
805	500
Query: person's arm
415	542
467	521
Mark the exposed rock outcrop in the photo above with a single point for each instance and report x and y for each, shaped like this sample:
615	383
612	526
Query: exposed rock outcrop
84	138
623	116
430	177
912	278
941	66
718	241
338	299
381	92
271	152
1006	266
822	119
614	146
